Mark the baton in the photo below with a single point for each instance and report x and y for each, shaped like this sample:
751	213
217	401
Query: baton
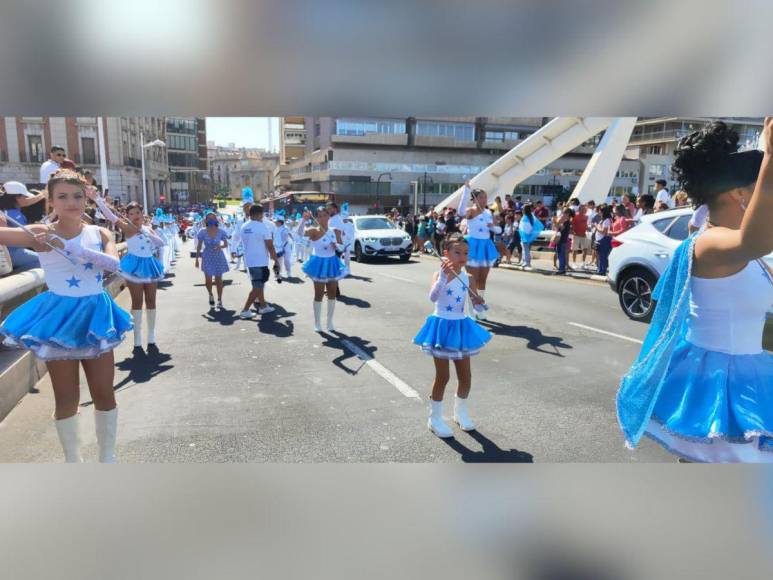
31	233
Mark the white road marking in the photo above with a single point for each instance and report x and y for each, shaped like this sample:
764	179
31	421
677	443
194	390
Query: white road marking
398	278
382	371
620	336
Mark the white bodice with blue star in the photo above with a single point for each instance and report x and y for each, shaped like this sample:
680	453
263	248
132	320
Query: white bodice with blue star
79	279
140	245
325	247
453	298
477	227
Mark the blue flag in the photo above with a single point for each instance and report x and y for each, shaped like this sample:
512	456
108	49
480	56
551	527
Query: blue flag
247	195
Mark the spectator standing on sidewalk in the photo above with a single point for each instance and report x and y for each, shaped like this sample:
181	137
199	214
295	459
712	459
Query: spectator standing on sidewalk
604	240
52	164
564	230
540	212
13	197
621	221
580	240
646	206
662	194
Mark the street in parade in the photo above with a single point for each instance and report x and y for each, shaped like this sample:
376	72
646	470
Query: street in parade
524	290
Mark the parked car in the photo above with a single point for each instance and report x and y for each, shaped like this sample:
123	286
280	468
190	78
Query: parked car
377	235
640	256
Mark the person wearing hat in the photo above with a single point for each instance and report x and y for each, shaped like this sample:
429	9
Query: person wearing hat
13	197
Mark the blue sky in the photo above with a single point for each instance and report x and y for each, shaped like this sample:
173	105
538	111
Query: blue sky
243	131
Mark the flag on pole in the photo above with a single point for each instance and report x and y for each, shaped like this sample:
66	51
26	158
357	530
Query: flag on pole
247	195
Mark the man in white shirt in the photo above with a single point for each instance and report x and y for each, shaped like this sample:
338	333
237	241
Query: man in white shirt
48	168
258	246
282	246
698	218
662	194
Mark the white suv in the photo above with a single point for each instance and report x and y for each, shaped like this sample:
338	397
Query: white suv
640	255
377	235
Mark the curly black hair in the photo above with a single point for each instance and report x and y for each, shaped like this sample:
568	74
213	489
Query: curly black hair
707	163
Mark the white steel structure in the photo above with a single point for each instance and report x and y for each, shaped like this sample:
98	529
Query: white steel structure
555	139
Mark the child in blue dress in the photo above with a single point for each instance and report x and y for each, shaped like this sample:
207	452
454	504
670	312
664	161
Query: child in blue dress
214	263
449	334
139	267
324	267
75	322
702	386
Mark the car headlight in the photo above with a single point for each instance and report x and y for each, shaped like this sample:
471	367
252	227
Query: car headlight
370	240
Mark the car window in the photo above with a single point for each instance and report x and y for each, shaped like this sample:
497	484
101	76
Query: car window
662	224
678	231
374	224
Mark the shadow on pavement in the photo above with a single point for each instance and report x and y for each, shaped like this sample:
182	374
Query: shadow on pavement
337	340
164	284
141	368
360	278
349	301
226	282
536	340
293	280
225	317
490	452
271	324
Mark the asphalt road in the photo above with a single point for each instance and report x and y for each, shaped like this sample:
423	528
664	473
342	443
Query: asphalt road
271	389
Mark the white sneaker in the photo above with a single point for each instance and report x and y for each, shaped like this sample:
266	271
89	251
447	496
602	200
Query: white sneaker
246	315
219	306
266	309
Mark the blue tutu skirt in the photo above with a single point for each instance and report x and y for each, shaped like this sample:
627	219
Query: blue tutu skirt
451	339
330	269
716	407
483	253
58	327
141	270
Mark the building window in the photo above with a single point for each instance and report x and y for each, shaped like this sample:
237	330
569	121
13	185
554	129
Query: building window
657	170
35	148
502	136
360	127
88	152
457	131
655	150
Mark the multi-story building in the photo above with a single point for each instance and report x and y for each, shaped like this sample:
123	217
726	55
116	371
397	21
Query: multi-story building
292	146
26	141
371	162
232	168
188	160
654	139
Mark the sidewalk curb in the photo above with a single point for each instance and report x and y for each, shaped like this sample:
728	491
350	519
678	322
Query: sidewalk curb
544	272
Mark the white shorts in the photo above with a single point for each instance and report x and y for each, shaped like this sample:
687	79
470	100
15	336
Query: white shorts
580	243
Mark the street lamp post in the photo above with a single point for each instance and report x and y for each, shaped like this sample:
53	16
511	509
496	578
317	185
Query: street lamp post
424	190
378	181
143	146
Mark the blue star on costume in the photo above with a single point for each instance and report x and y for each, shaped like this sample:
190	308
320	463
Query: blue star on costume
74	282
449	308
449	292
88	266
459	299
480	229
99	277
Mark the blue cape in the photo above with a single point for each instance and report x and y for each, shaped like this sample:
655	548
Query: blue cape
535	231
640	387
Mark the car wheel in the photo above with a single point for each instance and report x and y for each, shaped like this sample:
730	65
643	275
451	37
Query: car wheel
635	294
405	257
358	257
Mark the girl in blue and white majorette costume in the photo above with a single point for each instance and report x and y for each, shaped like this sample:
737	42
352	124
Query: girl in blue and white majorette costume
324	267
139	267
76	321
480	226
449	334
702	386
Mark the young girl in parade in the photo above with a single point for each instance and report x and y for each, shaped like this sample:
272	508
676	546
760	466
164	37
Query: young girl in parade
75	322
449	334
480	225
213	263
139	267
324	267
702	386
529	228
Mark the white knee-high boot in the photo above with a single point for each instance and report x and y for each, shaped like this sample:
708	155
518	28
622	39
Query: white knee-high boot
318	316
461	416
137	317
107	426
67	429
435	422
151	326
331	306
482	313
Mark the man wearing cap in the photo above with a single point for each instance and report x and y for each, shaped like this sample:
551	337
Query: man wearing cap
14	196
52	165
662	194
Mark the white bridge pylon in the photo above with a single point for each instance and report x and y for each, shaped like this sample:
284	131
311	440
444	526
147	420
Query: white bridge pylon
554	140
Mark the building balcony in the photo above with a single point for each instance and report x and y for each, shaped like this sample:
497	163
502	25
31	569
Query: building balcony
648	138
505	145
399	140
443	142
